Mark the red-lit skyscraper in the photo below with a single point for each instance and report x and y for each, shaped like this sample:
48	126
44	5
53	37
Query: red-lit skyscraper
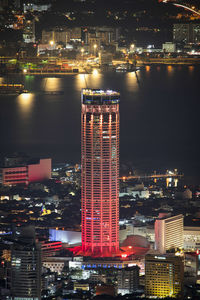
100	171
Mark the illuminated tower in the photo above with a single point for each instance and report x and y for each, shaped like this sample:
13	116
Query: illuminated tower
100	171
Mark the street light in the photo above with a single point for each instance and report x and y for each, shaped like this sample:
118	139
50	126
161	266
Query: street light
132	47
51	44
95	47
82	51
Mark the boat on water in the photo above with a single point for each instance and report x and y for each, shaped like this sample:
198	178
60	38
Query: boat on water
127	68
12	88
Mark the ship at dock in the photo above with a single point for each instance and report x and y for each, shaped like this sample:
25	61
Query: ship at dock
12	89
127	68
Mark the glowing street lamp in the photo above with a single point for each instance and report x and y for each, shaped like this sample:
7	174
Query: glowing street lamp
132	47
51	44
82	51
95	47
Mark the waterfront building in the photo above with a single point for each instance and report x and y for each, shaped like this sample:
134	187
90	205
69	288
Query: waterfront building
26	267
100	171
168	233
127	280
105	58
163	276
61	35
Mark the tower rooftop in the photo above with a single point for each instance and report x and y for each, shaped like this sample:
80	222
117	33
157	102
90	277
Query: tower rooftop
100	97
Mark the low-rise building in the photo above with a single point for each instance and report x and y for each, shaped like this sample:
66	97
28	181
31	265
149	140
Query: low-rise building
128	280
37	170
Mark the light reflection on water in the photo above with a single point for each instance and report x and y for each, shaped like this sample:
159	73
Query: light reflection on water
81	81
153	131
147	68
191	68
132	81
25	102
51	84
93	80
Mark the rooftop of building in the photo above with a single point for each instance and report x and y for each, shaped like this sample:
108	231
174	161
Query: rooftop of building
18	160
100	97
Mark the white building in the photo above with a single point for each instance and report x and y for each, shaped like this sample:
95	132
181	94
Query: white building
169	47
34	7
191	238
169	233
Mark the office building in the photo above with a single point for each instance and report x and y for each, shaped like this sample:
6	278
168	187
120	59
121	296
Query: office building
163	276
105	58
128	280
191	238
24	173
100	171
186	33
29	31
61	35
49	249
26	267
168	233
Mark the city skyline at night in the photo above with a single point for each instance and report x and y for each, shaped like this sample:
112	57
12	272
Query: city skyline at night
99	157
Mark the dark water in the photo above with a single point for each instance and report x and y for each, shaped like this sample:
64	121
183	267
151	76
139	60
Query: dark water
159	117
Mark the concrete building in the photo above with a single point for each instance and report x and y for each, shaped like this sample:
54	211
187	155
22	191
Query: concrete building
50	248
63	35
30	7
72	238
169	47
79	286
105	58
163	276
196	33
106	35
191	238
26	267
186	33
29	31
128	280
100	171
55	264
168	233
37	170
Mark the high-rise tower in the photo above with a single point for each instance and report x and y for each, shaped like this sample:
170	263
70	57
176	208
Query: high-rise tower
100	171
26	266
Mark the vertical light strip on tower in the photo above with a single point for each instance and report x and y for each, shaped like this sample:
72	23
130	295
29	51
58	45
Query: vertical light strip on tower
100	171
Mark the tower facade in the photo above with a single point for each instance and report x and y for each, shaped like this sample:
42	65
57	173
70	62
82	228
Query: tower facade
26	267
100	171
